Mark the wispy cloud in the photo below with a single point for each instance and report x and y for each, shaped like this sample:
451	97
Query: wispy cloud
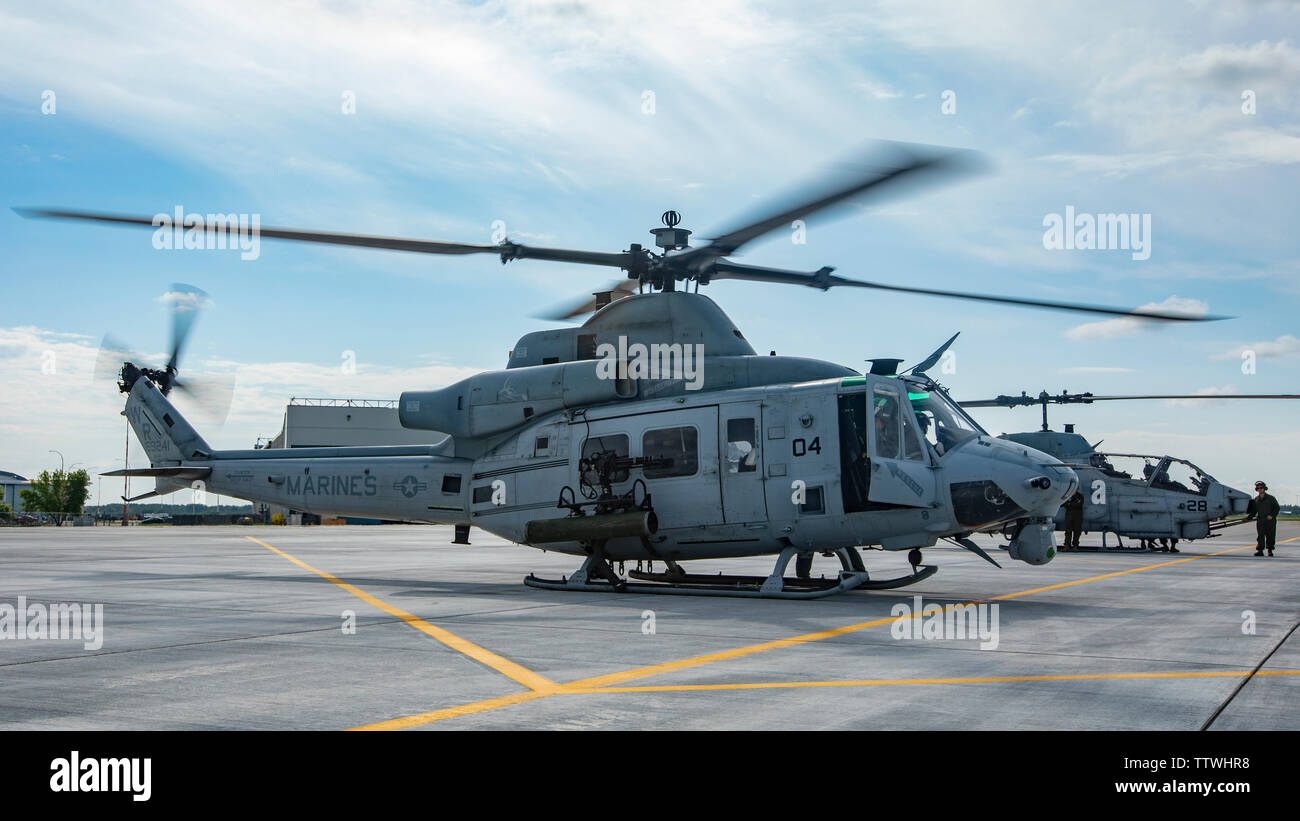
1127	326
1284	345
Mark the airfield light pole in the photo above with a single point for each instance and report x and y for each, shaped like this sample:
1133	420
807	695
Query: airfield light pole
63	473
126	480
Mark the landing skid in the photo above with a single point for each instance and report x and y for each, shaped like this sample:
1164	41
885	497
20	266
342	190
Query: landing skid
592	577
1122	548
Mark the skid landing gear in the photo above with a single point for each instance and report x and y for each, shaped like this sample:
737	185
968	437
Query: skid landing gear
592	577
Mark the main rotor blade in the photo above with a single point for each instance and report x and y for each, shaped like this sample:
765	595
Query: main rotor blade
1203	396
1026	400
585	305
507	250
822	279
886	164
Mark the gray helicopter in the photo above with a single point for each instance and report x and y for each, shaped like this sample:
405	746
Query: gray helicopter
1140	496
655	433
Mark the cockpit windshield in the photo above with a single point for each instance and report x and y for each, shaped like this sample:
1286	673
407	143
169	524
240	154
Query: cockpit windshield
943	423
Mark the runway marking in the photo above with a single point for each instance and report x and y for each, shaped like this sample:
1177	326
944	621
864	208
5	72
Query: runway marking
463	710
726	655
1116	574
502	665
777	685
603	684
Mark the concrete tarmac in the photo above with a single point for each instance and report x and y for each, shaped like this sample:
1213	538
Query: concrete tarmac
247	628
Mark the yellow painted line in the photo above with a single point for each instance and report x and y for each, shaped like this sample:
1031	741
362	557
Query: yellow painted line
463	710
1117	573
671	688
502	665
601	684
726	655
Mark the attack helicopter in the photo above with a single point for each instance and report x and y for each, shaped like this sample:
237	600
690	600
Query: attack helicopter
655	433
1140	496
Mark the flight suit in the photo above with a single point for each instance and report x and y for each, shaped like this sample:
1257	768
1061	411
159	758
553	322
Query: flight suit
1073	523
1264	510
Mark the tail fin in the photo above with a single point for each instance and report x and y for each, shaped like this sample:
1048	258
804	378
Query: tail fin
162	431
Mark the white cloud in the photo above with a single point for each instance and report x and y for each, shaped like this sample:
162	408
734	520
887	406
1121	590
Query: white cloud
1226	390
1284	345
1126	326
880	91
185	300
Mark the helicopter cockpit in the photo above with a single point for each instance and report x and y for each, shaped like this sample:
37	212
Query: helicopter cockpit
943	423
1158	472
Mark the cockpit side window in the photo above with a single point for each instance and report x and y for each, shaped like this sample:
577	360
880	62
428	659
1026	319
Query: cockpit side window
913	450
943	424
886	422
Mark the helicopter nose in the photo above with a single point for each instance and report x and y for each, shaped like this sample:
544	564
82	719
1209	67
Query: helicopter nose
1238	501
1049	484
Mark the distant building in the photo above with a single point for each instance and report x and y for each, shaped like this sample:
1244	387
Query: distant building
313	423
11	488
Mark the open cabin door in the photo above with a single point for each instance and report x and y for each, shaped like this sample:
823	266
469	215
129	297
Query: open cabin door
899	470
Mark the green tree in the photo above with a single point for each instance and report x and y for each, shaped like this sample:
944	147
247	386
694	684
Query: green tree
6	512
57	494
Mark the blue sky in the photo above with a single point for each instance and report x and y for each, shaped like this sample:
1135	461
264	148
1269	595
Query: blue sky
533	114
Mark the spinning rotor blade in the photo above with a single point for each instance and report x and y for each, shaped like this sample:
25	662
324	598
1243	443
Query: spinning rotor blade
823	279
211	393
586	305
507	250
108	362
186	301
900	163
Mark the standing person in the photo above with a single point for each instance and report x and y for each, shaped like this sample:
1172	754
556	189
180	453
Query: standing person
1264	509
1073	523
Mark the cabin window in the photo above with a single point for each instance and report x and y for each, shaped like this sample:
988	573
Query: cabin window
451	483
542	446
618	443
679	445
742	449
913	450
